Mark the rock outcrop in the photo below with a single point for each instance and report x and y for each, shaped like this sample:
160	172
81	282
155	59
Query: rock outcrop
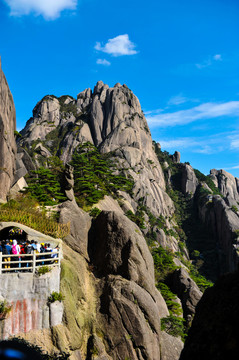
129	301
187	291
7	139
226	183
189	180
214	332
223	223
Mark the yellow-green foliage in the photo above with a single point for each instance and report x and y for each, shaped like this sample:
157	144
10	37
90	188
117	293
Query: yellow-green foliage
36	221
32	216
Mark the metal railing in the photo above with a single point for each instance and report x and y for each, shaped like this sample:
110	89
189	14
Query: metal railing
28	262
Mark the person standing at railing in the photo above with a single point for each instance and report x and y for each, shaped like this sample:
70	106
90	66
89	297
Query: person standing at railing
28	250
7	251
16	251
38	247
55	253
42	250
48	249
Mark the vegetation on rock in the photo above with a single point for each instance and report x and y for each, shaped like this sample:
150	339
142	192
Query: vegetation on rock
55	296
5	308
45	184
95	176
33	216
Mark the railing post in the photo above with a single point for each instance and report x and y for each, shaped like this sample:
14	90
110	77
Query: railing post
34	263
0	262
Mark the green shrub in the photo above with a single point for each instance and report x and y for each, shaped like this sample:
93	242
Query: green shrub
5	308
169	297
234	209
173	325
95	212
199	279
41	270
163	263
55	296
203	178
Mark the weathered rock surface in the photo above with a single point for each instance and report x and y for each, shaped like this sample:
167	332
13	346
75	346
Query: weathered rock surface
7	140
189	180
176	157
214	333
226	183
223	222
80	223
187	290
129	301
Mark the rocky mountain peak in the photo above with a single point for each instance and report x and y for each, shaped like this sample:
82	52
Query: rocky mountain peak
226	183
112	120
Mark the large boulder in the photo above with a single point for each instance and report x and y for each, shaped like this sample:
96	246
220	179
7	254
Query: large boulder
129	301
189	180
187	291
80	223
7	139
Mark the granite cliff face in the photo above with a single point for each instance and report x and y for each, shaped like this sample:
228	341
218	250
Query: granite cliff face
111	119
226	183
223	223
7	140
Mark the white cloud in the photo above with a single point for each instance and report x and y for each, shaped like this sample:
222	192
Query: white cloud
217	57
177	100
118	46
209	61
49	9
234	142
204	144
204	64
203	111
233	167
182	143
103	62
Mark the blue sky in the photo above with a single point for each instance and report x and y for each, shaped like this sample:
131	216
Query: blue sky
181	59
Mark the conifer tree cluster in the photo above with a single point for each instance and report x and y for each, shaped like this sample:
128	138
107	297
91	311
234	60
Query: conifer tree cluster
44	184
95	175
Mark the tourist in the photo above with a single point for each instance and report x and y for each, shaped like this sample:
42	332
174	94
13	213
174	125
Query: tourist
16	251
42	250
38	247
55	253
28	250
48	249
7	251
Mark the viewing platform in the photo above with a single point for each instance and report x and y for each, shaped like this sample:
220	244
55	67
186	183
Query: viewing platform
29	262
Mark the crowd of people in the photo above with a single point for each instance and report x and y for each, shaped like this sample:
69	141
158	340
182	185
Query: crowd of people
21	247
